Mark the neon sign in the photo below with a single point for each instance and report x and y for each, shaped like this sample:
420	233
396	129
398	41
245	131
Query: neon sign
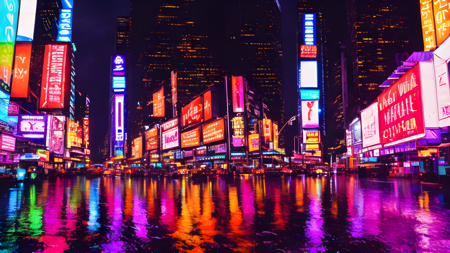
309	29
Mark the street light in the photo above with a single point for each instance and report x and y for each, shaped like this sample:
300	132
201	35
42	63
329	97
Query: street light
289	122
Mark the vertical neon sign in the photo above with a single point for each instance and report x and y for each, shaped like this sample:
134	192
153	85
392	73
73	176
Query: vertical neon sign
65	22
237	84
309	29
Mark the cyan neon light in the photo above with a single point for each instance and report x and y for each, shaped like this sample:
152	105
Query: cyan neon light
309	94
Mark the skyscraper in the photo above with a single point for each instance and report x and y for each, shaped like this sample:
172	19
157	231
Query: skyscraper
123	35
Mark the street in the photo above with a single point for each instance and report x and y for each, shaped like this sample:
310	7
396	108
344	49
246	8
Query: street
248	213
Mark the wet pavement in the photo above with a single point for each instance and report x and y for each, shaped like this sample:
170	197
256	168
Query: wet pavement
240	214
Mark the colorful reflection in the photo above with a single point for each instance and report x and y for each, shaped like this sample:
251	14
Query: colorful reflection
250	213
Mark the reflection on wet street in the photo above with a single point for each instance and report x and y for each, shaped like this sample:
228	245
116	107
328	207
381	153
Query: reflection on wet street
243	214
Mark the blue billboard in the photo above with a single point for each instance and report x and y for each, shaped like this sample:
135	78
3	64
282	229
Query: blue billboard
118	74
309	94
309	29
65	21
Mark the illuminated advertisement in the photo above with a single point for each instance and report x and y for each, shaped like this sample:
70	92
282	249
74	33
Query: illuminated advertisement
310	114
170	134
190	138
33	126
237	83
309	29
275	136
443	90
158	103
57	135
74	134
400	108
21	75
311	136
119	116
428	28
207	107
214	131
308	74
441	20
309	94
86	132
192	113
13	109
65	21
217	149
308	51
54	77
237	124
151	139
118	74
137	147
43	154
370	126
8	143
174	89
267	124
27	16
356	132
253	142
8	26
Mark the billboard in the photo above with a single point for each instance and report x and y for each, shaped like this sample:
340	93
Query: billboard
237	84
151	139
54	77
8	143
370	126
308	51
192	113
86	132
8	26
190	138
174	89
253	142
400	108
275	136
443	90
65	22
170	134
428	28
159	103
267	124
356	132
137	147
238	127
33	126
311	136
43	154
27	16
214	131
441	20
57	135
309	29
21	75
74	134
309	94
207	105
119	83
308	74
310	114
119	124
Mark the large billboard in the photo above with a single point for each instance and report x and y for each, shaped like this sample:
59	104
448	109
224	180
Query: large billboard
27	16
119	124
443	90
65	21
137	147
400	108
310	114
33	126
190	138
308	51
192	113
356	132
441	20
8	26
253	142
151	139
159	103
238	127
370	126
74	134
7	142
428	28
311	136
119	83
21	75
54	77
237	83
214	131
267	124
57	135
170	134
309	29
308	74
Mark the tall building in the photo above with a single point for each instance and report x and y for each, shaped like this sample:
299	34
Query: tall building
123	35
47	18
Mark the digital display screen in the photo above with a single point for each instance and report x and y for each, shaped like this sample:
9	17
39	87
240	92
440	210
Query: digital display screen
54	77
158	103
214	131
27	16
309	29
308	74
310	114
237	90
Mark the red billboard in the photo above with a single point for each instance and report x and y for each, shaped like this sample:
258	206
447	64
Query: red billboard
54	77
86	132
237	83
158	103
190	138
21	75
400	108
170	134
151	139
207	106
192	113
267	130
214	131
308	51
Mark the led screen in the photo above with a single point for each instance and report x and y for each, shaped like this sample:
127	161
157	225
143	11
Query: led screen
309	94
65	21
158	103
207	106
8	26
33	126
27	16
443	90
170	134
86	132
267	123
21	75
311	136
238	127
370	126
137	147
192	113
151	139
57	134
54	77
310	114
174	90
308	51
253	142
237	90
309	29
190	138
8	143
119	124
74	134
214	131
356	132
308	74
441	20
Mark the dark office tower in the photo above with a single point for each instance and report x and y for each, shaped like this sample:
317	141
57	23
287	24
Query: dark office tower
47	17
123	36
262	63
382	31
82	103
